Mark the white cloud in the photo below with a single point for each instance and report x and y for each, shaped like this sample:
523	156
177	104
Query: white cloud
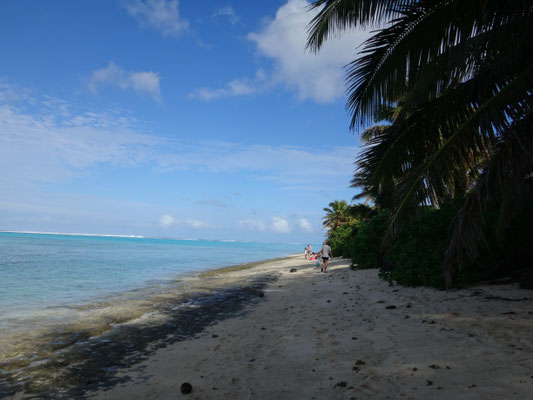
237	87
39	148
52	143
279	225
320	76
282	41
289	165
304	225
161	15
251	225
227	12
166	221
12	93
198	224
143	82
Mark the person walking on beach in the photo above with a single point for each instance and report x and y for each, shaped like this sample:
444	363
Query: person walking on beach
326	254
305	252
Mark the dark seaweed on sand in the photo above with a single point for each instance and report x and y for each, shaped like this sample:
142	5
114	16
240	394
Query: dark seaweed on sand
86	364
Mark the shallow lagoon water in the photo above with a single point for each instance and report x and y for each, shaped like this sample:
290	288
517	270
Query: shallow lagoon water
60	291
42	271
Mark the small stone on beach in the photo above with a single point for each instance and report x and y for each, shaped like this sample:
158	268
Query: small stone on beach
186	388
293	270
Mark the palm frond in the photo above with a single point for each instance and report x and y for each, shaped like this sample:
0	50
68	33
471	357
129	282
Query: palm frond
428	39
503	181
413	190
336	16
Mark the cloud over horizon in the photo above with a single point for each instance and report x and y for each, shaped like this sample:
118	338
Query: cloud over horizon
198	224
251	225
166	221
279	225
49	142
304	225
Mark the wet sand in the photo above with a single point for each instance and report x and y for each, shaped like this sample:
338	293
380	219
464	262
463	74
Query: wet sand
65	359
340	335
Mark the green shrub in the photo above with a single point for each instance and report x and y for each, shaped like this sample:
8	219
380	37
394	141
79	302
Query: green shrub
417	254
364	243
339	239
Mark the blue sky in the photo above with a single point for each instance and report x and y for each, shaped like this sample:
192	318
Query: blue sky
171	118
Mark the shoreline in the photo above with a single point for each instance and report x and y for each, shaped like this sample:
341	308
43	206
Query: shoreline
341	335
81	354
349	335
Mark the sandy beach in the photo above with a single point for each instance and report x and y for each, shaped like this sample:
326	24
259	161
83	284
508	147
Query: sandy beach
341	335
349	335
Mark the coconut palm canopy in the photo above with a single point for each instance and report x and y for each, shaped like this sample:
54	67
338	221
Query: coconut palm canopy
462	74
337	214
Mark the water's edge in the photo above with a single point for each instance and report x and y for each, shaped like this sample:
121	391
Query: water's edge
73	359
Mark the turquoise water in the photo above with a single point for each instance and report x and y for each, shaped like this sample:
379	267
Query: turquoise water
63	293
39	271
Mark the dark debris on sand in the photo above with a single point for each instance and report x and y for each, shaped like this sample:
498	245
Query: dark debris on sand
92	364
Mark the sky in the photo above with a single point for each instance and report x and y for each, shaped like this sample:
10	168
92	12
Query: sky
172	118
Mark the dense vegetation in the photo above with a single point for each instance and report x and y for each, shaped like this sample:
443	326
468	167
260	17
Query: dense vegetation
415	257
442	93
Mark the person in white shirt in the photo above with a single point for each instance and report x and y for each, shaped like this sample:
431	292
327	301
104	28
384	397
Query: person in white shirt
326	254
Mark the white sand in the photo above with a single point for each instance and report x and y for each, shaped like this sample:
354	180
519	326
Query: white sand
330	336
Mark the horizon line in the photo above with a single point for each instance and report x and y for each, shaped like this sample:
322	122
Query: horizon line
142	237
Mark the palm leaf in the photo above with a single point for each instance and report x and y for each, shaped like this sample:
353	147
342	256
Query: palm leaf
336	16
503	180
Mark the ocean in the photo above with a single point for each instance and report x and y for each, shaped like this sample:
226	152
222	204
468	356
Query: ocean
53	287
40	272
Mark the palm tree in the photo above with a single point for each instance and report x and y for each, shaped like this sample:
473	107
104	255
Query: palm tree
337	215
361	212
463	72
